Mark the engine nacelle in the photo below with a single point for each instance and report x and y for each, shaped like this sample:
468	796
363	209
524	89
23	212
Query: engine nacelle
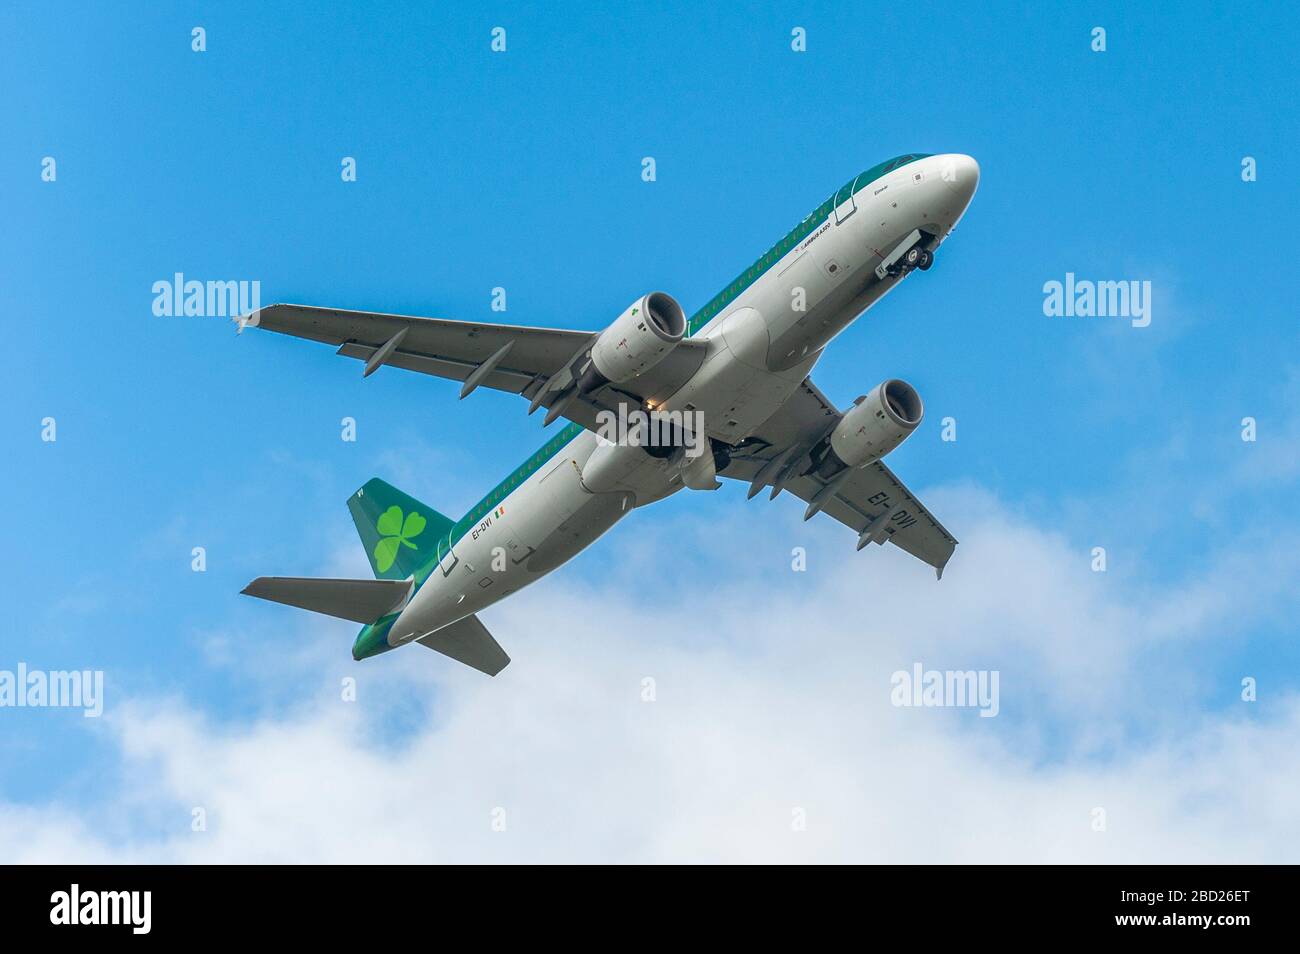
637	340
877	424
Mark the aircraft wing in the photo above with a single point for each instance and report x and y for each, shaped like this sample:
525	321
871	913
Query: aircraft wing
511	358
870	498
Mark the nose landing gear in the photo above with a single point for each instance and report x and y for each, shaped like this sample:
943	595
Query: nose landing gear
909	254
914	257
917	257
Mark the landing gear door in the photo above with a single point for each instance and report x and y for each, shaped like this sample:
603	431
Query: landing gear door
845	204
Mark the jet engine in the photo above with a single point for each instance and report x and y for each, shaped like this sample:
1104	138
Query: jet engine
637	340
874	426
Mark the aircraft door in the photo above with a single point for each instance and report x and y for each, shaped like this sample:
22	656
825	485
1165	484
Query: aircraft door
845	203
447	559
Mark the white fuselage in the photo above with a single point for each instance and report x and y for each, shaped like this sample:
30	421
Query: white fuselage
761	346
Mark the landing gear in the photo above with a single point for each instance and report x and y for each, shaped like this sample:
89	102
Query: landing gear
914	257
910	253
917	257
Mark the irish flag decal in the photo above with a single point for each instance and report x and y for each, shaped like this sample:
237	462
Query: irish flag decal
500	512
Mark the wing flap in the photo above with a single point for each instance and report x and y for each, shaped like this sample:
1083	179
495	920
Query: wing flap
499	379
873	490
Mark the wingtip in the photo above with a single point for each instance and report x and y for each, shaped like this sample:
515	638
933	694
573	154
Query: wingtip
252	318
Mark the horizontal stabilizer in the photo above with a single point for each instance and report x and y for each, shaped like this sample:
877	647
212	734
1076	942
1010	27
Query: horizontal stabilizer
469	642
362	601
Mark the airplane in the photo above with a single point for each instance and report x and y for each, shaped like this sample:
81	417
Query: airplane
732	382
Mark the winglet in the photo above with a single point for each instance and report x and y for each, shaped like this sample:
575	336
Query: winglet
253	318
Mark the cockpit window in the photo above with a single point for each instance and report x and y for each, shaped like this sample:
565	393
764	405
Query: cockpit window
884	168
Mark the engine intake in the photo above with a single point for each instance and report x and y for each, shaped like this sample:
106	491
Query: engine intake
876	424
638	339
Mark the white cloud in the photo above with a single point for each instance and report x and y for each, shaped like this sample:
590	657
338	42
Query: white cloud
772	698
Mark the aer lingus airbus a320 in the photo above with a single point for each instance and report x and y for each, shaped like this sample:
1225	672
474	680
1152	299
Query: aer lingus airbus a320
733	379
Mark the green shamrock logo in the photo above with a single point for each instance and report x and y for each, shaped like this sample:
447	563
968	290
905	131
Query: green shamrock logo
395	533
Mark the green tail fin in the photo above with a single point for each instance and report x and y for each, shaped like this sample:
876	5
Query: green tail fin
400	534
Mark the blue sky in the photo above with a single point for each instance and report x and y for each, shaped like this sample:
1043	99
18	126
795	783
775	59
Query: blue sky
522	170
